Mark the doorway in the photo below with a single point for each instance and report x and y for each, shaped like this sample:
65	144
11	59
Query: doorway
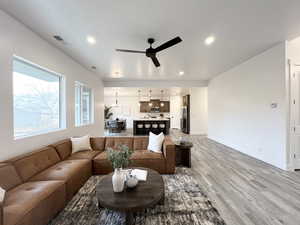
294	115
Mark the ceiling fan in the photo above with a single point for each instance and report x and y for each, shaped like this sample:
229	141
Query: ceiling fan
151	52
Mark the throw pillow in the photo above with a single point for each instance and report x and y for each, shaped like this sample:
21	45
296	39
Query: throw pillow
81	143
2	194
155	142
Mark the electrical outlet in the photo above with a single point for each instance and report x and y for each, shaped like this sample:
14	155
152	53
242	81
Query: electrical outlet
274	105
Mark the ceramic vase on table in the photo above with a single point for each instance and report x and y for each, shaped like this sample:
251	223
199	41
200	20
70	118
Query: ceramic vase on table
131	181
118	180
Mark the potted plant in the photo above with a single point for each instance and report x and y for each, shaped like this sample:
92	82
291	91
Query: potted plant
119	158
107	114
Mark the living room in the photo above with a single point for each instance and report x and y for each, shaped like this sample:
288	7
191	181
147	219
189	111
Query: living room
63	162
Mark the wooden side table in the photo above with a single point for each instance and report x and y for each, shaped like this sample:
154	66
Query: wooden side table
183	153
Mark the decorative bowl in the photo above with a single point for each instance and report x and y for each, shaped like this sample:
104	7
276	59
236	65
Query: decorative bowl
131	181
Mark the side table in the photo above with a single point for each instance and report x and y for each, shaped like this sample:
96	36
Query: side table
183	153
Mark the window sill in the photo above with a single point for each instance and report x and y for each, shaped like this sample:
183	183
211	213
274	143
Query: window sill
38	134
84	125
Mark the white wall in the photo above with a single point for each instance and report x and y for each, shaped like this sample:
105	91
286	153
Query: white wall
16	39
198	114
239	112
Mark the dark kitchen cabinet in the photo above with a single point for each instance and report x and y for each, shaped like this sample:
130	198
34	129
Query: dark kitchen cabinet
156	106
144	107
166	107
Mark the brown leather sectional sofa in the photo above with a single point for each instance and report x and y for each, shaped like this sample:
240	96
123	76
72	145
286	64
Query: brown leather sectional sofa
39	184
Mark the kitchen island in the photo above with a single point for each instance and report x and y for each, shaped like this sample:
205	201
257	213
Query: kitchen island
155	125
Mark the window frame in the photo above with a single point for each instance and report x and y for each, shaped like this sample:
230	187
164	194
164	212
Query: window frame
62	107
91	105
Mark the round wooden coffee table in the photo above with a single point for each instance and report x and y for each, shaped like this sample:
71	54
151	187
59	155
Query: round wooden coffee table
145	194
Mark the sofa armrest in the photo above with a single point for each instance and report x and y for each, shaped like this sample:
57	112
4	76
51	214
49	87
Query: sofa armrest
2	197
169	153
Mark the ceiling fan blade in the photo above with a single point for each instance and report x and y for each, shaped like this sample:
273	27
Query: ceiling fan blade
131	51
155	61
168	44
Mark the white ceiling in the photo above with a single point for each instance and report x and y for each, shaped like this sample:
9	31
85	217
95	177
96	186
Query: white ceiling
134	92
243	28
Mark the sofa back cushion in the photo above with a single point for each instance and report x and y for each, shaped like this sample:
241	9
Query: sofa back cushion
98	143
9	177
33	163
140	143
114	142
63	148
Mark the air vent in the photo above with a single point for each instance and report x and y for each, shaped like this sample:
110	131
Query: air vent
58	38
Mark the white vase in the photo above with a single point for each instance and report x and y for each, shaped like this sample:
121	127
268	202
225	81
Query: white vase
118	180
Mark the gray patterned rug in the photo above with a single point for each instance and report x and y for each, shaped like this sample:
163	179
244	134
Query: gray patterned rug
185	203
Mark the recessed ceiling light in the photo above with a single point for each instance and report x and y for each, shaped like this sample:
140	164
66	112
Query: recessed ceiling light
181	73
117	74
91	40
209	40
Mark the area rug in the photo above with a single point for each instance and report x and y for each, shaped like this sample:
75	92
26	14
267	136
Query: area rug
185	203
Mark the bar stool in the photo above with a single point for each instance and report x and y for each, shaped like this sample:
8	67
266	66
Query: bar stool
155	126
162	125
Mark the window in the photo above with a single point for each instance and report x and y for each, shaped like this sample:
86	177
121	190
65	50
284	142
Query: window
37	99
83	105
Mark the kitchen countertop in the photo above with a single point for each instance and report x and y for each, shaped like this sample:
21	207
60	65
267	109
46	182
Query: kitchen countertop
151	119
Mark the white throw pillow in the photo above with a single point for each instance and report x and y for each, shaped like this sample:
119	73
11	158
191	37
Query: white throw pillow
81	143
2	194
155	142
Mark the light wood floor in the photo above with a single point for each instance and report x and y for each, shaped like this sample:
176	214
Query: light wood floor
246	191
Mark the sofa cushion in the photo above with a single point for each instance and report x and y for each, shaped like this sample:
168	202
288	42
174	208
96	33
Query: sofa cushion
63	148
35	162
98	143
34	202
140	158
9	177
101	165
86	154
74	172
114	142
146	154
152	160
140	143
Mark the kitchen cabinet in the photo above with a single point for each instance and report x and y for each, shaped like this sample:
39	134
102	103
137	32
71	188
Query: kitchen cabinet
166	107
156	106
144	107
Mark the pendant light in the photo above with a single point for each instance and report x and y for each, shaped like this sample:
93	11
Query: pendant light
162	104
150	103
117	103
139	91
